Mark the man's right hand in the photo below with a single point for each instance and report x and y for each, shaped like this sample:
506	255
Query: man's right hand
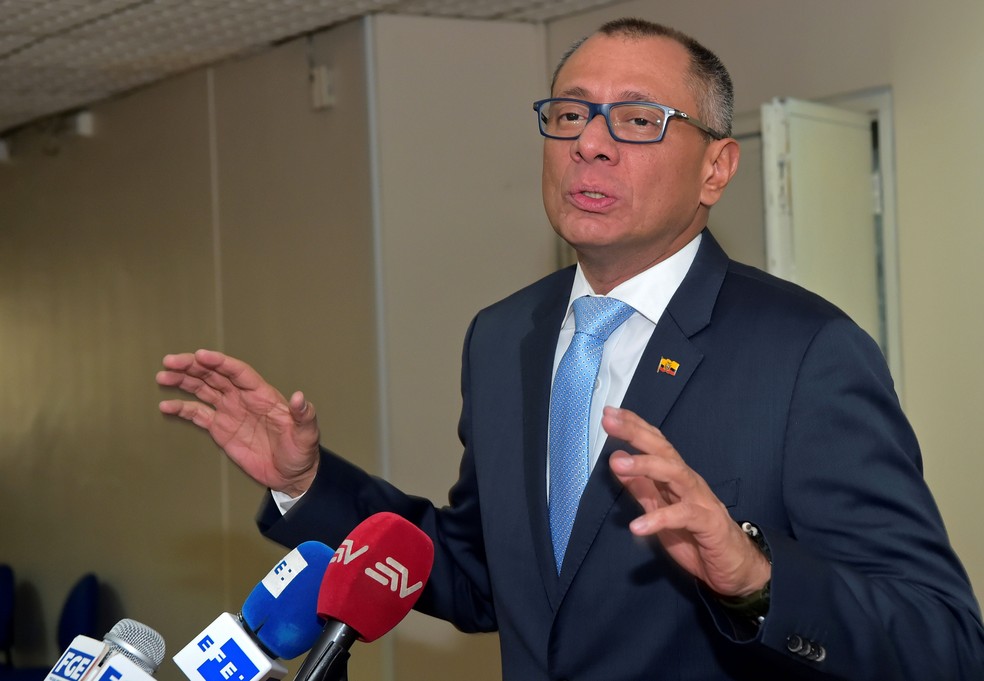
274	441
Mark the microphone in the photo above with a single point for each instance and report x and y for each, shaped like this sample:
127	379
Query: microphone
281	611
371	583
278	619
131	651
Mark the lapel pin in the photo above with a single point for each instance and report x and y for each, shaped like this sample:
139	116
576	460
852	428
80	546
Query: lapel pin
668	366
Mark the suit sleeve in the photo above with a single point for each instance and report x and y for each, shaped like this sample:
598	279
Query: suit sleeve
867	572
343	495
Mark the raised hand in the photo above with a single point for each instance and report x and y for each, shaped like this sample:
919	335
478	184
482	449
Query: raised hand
274	441
681	510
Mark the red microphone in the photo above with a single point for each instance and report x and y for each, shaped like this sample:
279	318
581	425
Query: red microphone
371	583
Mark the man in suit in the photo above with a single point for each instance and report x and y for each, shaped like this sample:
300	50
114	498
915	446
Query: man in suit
785	529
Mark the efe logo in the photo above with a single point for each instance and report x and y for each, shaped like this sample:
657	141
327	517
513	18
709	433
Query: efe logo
229	662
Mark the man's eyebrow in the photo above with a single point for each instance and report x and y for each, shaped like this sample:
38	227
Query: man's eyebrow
574	93
635	96
578	92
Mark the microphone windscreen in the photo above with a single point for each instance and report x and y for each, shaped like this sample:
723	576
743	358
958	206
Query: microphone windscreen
137	642
376	575
281	611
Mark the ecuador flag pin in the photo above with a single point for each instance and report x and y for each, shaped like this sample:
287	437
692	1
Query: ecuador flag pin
668	366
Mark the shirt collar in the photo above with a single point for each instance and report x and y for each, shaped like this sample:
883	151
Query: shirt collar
648	292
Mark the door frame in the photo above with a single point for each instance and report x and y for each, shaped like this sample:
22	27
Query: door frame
877	103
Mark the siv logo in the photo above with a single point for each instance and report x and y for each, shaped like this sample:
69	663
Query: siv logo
394	575
72	665
345	554
229	663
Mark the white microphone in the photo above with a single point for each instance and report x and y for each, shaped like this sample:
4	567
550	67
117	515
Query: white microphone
226	652
131	651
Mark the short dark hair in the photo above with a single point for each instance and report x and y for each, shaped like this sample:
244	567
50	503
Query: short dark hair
708	78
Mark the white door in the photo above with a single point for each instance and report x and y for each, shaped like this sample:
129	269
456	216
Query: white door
821	206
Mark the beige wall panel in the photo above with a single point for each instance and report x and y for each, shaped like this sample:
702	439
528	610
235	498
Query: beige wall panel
462	225
296	230
296	256
105	264
736	220
929	58
462	219
936	61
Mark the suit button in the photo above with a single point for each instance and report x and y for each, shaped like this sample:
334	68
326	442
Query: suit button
806	648
818	654
795	644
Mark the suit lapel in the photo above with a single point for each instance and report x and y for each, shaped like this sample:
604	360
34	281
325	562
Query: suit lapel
536	356
668	362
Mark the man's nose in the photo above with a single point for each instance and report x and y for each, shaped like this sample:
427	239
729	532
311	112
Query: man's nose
596	141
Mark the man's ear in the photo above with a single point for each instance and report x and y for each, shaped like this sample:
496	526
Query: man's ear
721	163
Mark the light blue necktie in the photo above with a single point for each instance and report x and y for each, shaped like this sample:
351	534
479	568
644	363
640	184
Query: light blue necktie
570	406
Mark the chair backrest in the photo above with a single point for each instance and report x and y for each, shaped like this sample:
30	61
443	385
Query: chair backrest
80	614
6	610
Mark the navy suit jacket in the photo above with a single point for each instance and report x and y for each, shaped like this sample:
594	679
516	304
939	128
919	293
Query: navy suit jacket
783	405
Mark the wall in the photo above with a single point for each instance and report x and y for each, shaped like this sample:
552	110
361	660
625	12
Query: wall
210	210
930	58
101	274
341	252
462	226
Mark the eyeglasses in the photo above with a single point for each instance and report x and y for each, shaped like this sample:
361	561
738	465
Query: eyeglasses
634	122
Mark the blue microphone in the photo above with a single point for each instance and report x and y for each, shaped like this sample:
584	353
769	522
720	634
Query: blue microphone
279	620
282	610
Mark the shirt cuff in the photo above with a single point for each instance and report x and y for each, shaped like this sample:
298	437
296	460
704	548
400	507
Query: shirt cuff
284	501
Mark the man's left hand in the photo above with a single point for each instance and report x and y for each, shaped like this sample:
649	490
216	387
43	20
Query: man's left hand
681	510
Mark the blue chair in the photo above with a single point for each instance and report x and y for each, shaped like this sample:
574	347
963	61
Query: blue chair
80	614
79	617
6	612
